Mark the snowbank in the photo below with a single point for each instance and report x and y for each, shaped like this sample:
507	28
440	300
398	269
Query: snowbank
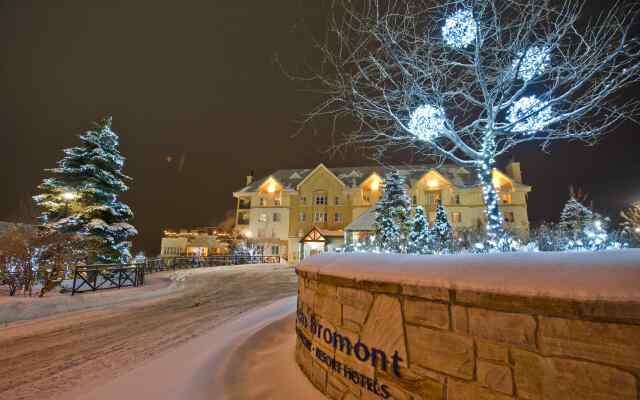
607	275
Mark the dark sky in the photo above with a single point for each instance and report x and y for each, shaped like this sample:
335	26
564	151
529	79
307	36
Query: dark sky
196	80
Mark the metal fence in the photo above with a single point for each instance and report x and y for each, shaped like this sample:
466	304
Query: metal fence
91	278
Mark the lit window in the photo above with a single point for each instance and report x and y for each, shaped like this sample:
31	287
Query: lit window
302	216
433	198
263	217
321	200
320	217
366	196
276	217
505	198
338	217
456	217
509	217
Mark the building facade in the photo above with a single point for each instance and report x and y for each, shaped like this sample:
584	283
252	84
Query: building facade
197	242
294	213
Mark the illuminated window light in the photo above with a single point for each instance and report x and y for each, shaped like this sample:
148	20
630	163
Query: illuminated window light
433	183
375	185
271	188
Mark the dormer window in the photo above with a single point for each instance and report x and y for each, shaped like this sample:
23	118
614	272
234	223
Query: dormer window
321	200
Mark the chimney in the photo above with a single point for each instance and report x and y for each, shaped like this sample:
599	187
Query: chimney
514	171
250	178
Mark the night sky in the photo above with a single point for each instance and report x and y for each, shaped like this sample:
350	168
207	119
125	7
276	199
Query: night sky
199	102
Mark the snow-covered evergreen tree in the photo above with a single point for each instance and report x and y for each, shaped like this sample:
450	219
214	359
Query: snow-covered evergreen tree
419	240
442	232
392	214
581	228
81	196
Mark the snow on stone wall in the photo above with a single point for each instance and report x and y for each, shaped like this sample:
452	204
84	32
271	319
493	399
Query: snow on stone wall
534	326
606	275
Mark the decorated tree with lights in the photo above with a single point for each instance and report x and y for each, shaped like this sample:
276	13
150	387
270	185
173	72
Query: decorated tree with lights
469	80
580	227
442	232
81	196
392	214
631	222
420	236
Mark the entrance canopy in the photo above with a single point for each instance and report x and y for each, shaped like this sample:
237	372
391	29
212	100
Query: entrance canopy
319	240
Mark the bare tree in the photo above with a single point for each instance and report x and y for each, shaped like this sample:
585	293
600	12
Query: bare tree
468	80
631	221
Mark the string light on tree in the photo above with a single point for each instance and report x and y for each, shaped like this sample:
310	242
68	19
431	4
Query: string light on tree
529	115
532	62
460	29
427	122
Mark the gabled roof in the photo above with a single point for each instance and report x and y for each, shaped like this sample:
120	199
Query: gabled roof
319	167
355	176
364	223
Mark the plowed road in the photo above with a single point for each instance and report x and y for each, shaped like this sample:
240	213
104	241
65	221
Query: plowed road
61	356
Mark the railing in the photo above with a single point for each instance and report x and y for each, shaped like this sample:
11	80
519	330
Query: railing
174	263
91	278
101	277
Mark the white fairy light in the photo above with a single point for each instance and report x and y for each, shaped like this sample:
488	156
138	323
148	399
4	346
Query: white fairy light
529	115
460	29
427	122
531	63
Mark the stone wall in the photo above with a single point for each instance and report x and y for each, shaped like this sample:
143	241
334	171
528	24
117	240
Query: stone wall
461	344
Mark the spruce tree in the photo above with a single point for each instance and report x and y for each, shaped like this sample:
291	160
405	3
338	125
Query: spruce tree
442	230
81	196
420	235
392	213
581	228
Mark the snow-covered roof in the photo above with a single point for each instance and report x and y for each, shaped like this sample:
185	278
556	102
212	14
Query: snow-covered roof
607	275
364	223
355	176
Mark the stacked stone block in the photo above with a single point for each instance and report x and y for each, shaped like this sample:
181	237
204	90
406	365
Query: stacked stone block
461	345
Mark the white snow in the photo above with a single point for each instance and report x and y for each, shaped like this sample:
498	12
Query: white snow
607	275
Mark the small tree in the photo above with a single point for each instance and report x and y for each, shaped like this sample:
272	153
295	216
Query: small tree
82	196
631	223
392	214
469	80
419	240
442	232
581	228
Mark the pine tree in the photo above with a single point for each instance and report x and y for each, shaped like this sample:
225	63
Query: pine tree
392	214
81	197
419	240
581	228
442	230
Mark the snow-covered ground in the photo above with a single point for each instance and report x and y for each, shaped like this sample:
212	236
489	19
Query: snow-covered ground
251	357
603	275
72	354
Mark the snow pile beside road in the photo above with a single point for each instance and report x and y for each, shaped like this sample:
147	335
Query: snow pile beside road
607	275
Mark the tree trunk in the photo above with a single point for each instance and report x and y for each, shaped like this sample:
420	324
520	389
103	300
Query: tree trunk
494	229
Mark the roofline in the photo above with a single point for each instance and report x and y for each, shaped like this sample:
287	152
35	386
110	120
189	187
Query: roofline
321	165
